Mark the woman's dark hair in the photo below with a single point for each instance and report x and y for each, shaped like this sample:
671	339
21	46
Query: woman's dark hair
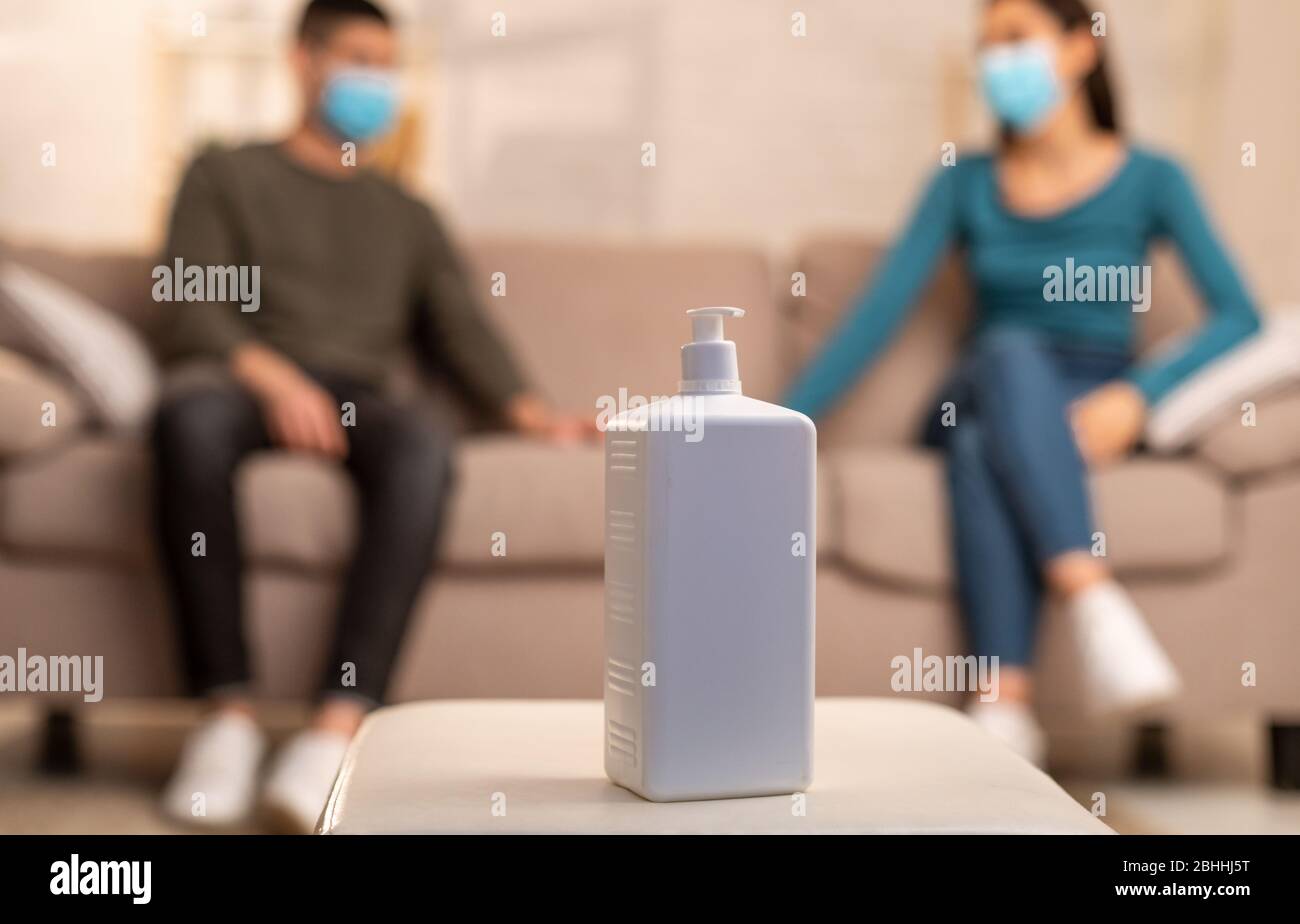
1073	14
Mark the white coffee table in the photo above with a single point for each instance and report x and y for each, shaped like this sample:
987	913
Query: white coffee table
881	766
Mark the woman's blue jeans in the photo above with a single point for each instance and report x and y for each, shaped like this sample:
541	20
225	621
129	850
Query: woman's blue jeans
1016	482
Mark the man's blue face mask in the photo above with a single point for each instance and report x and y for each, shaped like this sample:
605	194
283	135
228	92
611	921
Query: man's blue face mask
1020	84
359	104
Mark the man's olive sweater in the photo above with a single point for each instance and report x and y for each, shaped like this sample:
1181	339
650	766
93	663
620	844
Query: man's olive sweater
351	271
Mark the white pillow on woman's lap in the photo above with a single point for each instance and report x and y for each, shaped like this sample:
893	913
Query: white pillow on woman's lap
1266	362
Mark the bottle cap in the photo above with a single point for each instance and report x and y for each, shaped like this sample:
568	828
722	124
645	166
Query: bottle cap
709	361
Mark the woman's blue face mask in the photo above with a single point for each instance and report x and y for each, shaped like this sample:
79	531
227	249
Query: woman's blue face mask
359	104
1020	83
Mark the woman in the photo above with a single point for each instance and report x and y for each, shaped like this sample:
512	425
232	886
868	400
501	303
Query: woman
1045	384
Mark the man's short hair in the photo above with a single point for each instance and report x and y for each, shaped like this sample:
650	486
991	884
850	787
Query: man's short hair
321	17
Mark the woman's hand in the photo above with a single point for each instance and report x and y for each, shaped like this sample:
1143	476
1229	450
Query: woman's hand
1108	421
531	416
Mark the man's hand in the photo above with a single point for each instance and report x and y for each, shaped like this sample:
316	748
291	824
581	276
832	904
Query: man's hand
1108	421
533	417
299	414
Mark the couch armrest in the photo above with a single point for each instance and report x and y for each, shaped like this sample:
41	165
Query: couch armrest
1260	438
37	409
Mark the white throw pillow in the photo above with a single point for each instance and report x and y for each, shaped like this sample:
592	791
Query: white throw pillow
100	353
1264	363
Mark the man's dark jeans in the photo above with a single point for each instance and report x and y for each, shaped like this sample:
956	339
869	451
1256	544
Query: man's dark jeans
401	465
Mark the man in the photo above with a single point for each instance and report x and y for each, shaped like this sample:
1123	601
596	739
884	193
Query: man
351	271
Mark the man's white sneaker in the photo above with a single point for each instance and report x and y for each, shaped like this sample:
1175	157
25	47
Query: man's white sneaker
215	781
1123	665
1014	725
300	781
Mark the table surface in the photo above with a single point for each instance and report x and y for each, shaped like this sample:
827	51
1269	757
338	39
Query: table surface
535	766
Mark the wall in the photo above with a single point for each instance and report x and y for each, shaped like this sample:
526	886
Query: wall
760	135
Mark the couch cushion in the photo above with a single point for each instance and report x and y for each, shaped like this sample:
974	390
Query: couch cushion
92	499
1158	516
26	391
1162	516
1272	443
588	319
893	514
545	501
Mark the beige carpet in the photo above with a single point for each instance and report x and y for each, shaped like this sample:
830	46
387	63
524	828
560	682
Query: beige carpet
82	806
127	751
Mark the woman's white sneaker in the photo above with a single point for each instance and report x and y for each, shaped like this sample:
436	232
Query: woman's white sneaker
215	781
1123	665
1014	725
300	781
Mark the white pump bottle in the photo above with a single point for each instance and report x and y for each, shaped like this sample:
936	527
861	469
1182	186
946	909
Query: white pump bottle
710	559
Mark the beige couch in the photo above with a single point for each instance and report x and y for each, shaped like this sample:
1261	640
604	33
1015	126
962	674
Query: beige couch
1208	541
